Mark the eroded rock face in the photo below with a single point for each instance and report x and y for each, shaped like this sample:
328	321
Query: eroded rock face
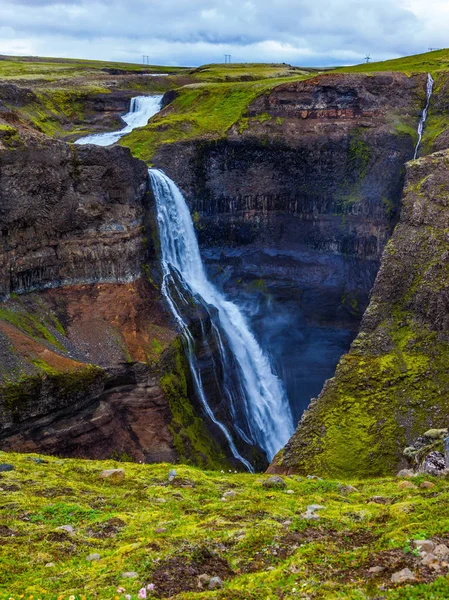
393	384
294	207
69	215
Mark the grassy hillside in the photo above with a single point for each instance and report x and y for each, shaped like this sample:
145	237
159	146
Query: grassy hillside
219	524
438	60
52	69
200	111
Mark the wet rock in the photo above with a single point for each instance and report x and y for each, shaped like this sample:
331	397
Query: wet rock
403	576
215	583
171	476
274	482
113	475
93	557
5	467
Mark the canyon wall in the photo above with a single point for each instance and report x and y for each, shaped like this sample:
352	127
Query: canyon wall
90	362
294	207
393	385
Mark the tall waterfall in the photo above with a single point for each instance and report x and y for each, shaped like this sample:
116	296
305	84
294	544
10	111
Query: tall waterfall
257	400
141	109
422	120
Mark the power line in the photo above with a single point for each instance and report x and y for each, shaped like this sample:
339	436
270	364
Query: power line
227	59
145	59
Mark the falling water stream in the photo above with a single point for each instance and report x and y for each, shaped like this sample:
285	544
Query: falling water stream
142	108
422	120
253	395
261	403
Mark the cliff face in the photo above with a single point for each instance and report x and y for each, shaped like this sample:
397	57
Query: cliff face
393	385
90	364
294	207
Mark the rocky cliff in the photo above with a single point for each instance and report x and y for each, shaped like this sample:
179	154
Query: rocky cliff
294	206
393	384
90	364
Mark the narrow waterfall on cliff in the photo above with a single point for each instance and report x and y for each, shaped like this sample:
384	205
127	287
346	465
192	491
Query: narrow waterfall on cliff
141	109
257	402
423	117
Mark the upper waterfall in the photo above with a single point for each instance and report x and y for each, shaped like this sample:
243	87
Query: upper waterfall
260	406
422	120
141	109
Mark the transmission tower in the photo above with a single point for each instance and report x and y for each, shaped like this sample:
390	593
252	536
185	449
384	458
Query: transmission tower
368	58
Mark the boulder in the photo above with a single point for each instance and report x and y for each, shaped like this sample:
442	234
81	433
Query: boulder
114	475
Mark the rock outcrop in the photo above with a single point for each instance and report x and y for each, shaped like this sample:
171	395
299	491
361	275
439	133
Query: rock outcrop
394	383
294	207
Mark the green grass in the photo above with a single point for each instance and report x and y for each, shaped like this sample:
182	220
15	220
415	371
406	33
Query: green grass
257	541
245	72
432	62
201	111
53	69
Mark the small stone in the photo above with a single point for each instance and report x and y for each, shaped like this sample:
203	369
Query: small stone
314	477
376	570
274	482
424	545
229	495
347	489
406	473
426	485
442	551
160	530
39	461
290	492
49	565
68	528
403	576
203	580
433	464
430	560
287	523
171	476
4	468
407	485
380	500
92	557
310	513
215	583
114	475
130	575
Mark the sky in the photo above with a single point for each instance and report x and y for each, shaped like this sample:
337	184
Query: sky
194	32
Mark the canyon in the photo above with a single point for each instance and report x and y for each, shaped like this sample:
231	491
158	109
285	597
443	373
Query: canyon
293	208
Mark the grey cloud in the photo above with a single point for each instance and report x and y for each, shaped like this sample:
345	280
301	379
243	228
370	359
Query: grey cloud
196	31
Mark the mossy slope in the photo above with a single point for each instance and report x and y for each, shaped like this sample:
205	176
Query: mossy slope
168	534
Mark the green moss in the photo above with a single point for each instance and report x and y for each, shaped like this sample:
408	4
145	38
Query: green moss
36	326
159	530
192	440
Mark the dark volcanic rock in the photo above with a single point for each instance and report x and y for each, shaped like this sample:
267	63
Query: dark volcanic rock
69	215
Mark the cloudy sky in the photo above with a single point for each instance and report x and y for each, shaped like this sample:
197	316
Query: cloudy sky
193	32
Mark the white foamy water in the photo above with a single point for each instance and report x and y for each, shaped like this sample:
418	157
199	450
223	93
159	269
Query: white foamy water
263	399
422	120
142	108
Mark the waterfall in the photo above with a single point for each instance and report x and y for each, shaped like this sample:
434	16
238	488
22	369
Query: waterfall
422	120
257	401
141	109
